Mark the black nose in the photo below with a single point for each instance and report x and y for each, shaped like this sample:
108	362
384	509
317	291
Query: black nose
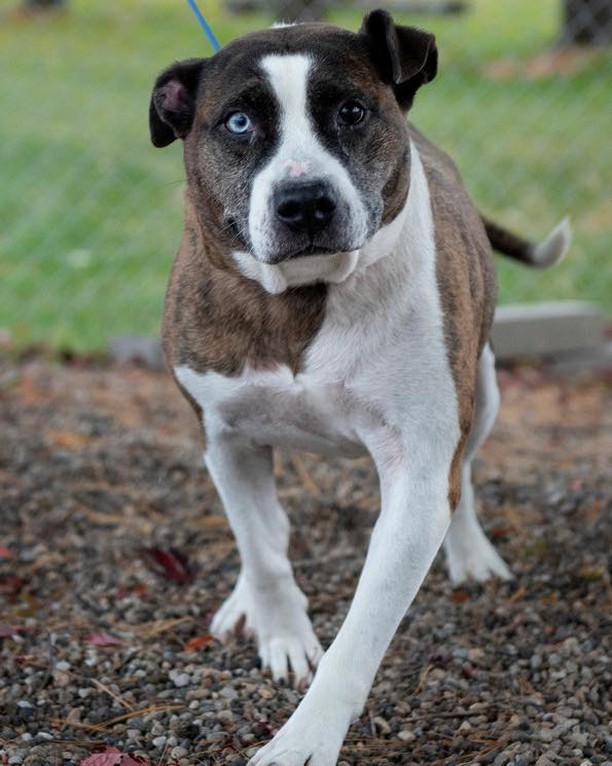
305	207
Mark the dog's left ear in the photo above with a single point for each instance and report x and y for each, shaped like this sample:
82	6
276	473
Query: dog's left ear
173	101
407	57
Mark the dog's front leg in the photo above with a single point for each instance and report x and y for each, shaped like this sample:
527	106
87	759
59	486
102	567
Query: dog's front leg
266	600
412	524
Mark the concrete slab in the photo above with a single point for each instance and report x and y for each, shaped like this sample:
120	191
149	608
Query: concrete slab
136	349
546	329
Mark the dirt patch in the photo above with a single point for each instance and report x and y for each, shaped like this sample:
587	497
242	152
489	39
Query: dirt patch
103	496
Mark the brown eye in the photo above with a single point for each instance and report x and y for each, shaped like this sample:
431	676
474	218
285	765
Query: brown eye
351	113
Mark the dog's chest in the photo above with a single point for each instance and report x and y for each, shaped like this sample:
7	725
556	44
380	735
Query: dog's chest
378	357
278	409
315	410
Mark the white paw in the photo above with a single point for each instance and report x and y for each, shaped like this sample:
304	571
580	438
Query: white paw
313	738
474	559
232	617
280	624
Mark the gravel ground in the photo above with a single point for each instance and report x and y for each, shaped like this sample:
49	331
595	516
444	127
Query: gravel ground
114	554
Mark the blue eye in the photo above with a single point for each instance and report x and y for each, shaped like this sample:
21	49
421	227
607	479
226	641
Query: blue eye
239	123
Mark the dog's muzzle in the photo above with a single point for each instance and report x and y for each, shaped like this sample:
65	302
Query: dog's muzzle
302	218
305	207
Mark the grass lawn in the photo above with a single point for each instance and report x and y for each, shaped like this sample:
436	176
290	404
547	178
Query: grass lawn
90	212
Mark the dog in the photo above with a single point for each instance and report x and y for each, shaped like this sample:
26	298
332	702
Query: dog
334	292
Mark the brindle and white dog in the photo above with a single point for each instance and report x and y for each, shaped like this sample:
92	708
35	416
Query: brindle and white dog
333	292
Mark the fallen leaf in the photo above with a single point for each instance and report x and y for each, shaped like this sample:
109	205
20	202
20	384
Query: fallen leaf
27	605
102	639
113	757
11	586
139	590
198	642
500	532
168	563
6	553
8	631
70	440
110	757
460	596
136	760
592	572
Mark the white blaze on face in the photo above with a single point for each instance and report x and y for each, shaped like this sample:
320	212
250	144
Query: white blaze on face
295	168
300	155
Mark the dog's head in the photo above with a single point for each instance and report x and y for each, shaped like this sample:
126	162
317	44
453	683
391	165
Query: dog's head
295	138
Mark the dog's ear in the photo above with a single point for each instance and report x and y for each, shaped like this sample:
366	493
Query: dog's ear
173	101
406	57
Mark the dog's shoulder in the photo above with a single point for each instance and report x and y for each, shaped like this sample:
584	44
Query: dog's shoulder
436	162
464	267
463	252
447	191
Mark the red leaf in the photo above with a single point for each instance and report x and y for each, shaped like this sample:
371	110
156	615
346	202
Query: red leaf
110	757
6	553
500	532
102	639
139	590
168	563
198	642
11	586
136	760
113	757
8	631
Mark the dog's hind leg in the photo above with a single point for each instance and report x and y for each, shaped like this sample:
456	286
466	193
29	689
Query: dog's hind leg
469	554
266	601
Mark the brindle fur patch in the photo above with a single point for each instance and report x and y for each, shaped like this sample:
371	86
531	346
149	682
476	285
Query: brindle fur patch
216	319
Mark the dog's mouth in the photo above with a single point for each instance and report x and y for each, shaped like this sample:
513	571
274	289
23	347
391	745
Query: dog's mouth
304	252
232	229
286	250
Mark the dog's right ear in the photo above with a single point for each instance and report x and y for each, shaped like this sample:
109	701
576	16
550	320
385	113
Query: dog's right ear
173	101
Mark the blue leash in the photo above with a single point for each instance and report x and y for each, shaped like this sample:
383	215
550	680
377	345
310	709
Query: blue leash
205	26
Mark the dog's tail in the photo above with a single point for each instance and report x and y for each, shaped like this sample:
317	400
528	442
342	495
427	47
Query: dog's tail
539	254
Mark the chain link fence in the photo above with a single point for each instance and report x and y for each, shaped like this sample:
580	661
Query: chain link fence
91	213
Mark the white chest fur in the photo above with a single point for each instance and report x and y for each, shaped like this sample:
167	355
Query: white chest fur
377	370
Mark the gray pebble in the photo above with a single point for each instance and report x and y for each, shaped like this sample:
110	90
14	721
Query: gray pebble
159	742
225	716
229	693
181	680
406	736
